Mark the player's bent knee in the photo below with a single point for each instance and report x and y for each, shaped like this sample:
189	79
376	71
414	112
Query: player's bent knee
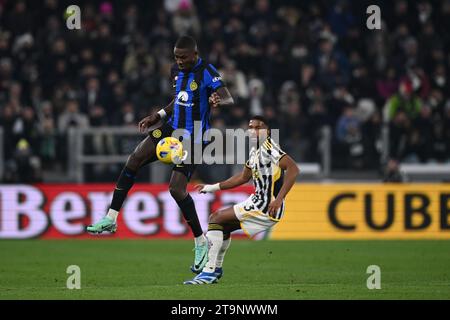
214	222
214	217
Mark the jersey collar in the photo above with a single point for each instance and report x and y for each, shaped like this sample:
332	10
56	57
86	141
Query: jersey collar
197	65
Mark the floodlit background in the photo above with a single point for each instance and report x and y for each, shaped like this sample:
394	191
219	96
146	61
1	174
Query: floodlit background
365	114
353	101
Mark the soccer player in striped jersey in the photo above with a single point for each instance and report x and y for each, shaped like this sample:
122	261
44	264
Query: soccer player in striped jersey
273	173
197	86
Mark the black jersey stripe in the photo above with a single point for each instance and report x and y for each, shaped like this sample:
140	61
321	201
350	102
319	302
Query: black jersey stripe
182	109
268	192
198	78
278	184
259	187
280	212
263	181
259	183
211	71
263	189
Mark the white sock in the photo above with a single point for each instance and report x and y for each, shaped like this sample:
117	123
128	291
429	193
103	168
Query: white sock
113	214
222	252
215	238
200	240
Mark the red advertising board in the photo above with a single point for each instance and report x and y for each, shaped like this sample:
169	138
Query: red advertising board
51	211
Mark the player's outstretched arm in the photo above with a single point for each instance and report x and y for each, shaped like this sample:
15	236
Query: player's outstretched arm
230	183
291	173
221	98
155	117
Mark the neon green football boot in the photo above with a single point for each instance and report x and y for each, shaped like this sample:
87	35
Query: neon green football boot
201	257
105	224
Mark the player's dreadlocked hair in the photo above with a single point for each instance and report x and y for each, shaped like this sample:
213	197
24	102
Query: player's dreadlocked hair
186	42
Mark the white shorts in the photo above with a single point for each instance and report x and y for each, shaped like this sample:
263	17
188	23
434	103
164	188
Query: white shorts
253	220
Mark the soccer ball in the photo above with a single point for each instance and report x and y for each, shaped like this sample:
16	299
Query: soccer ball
169	150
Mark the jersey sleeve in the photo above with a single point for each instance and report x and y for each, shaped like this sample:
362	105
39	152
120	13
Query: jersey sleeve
274	151
212	78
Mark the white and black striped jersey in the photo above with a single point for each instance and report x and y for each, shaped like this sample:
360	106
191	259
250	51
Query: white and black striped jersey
267	175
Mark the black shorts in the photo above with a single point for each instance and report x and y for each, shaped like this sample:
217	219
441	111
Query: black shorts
166	130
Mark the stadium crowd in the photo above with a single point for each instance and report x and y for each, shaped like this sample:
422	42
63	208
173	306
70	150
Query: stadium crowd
303	65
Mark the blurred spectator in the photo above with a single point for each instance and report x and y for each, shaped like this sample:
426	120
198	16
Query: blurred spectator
399	129
300	65
185	20
392	173
235	80
288	94
72	117
48	135
349	138
256	96
440	147
7	121
372	140
341	18
387	86
405	100
19	21
420	136
24	167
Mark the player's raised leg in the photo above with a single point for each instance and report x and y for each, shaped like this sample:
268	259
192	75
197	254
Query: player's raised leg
142	155
177	187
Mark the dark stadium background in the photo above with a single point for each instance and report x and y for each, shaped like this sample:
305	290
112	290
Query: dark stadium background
365	113
303	64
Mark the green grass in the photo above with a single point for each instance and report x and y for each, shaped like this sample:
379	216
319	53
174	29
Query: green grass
129	269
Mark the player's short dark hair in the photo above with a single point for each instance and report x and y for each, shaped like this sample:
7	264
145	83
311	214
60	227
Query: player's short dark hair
262	119
186	42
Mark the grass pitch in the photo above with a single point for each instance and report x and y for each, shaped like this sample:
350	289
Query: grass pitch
155	269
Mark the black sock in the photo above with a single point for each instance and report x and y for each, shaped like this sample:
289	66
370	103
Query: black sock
124	184
187	207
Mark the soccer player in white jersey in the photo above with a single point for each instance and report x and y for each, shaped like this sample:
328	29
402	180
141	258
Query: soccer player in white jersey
273	173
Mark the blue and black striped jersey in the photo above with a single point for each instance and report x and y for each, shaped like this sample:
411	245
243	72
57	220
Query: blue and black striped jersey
192	90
